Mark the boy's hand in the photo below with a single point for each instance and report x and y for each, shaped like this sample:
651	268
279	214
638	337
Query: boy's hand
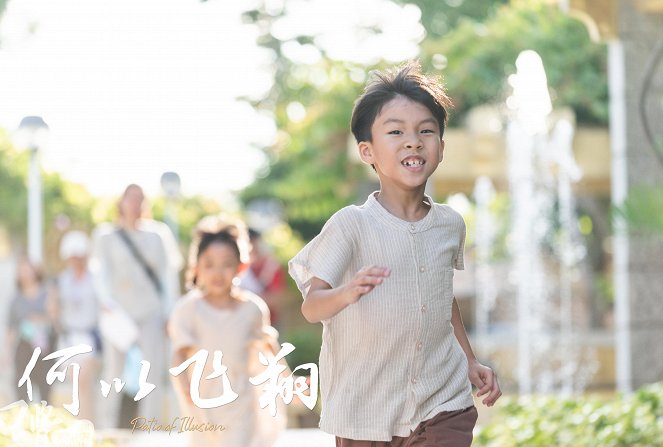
323	302
364	281
485	380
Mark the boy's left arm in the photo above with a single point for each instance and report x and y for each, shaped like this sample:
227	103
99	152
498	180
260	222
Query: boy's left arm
481	376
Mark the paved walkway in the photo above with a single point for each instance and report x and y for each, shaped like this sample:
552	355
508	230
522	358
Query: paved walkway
303	437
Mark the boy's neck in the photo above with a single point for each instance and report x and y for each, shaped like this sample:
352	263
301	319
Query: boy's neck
406	205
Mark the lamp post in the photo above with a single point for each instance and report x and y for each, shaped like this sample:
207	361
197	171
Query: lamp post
31	132
170	185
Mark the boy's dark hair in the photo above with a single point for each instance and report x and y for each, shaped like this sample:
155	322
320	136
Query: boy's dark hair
216	229
407	81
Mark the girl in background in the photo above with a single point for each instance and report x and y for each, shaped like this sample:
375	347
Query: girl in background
217	315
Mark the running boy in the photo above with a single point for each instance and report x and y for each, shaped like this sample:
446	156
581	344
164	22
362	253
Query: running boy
395	363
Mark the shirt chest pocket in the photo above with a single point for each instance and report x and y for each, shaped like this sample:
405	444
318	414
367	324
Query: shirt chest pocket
441	293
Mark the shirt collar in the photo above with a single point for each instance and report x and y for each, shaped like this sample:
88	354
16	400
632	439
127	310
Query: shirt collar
380	213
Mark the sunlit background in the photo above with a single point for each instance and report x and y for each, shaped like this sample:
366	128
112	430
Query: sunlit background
133	89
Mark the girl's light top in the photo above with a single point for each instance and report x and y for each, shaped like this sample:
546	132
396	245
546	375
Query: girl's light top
234	332
391	360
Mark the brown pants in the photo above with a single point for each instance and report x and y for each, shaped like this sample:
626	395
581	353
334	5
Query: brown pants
446	429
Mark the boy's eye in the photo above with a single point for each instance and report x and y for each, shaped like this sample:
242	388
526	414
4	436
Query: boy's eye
395	132
428	131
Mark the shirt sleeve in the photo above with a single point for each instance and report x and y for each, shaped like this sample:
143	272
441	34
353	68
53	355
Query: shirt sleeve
180	325
327	256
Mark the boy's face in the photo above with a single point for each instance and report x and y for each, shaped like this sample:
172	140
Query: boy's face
407	145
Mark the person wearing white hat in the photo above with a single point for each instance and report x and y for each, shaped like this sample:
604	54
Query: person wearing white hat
76	307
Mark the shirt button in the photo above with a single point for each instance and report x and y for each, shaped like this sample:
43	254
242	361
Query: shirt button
422	269
412	227
423	308
414	380
419	346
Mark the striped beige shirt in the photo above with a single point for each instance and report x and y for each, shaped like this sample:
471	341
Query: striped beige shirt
391	360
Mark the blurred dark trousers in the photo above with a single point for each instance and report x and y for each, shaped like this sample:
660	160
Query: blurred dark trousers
446	429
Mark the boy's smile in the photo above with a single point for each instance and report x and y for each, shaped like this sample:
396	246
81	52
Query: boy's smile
413	162
406	144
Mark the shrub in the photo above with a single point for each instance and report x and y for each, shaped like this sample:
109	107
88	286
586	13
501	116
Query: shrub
544	421
41	424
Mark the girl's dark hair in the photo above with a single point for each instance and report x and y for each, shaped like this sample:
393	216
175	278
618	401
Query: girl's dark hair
407	81
213	229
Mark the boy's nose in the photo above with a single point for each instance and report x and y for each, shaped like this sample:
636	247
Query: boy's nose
414	143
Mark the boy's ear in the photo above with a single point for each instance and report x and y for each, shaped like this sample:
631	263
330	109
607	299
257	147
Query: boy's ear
365	152
441	150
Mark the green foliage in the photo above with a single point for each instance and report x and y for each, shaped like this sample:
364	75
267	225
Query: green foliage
13	192
481	55
643	210
189	212
605	287
310	173
284	242
307	341
64	198
66	204
441	16
3	6
544	421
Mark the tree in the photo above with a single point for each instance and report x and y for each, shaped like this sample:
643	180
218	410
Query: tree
476	59
309	172
3	6
13	193
66	204
440	17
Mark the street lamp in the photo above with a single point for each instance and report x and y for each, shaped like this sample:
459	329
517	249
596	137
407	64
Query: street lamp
170	185
32	133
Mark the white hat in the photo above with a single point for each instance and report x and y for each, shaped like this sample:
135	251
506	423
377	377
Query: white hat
74	243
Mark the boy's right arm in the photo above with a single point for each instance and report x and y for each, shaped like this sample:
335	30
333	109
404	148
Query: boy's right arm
323	302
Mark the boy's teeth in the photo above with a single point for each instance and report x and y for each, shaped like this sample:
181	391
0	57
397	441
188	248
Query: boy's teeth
413	162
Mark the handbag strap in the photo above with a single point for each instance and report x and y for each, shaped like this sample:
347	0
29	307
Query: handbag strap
141	260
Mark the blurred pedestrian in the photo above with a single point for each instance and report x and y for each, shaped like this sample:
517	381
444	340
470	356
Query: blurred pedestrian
76	308
129	266
174	259
264	276
30	327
